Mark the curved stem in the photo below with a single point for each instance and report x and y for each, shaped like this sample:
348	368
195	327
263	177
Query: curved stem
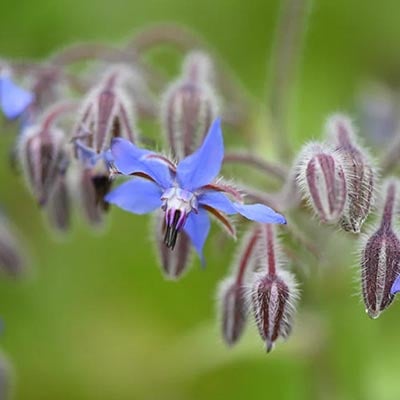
275	170
283	69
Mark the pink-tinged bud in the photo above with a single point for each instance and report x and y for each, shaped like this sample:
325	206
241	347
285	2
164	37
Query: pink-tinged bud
42	154
233	310
188	108
233	306
91	190
273	293
12	257
360	173
380	258
59	205
106	113
174	263
322	179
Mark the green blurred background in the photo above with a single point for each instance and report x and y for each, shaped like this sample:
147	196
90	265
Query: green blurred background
95	319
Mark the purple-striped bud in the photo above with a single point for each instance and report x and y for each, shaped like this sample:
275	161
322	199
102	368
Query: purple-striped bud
106	113
360	173
42	154
91	189
273	293
233	306
174	263
322	178
11	252
380	258
5	379
189	106
59	205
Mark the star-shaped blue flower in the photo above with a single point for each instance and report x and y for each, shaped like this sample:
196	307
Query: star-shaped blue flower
185	191
13	99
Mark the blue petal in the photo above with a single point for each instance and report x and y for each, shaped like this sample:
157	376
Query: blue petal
396	286
259	213
13	99
218	201
197	227
137	196
254	212
85	154
130	159
203	166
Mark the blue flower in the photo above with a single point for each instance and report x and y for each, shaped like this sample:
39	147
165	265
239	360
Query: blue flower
186	191
13	99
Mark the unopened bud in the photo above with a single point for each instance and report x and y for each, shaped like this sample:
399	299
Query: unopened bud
273	293
233	310
232	297
174	263
380	258
41	152
11	252
59	205
361	174
91	189
188	108
106	113
322	178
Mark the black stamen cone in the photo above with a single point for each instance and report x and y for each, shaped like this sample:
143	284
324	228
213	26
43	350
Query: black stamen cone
171	233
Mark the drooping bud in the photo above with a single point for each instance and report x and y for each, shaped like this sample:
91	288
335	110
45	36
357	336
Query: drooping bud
380	258
106	113
273	293
174	263
59	205
91	203
11	252
322	178
360	172
41	152
5	378
232	300
189	106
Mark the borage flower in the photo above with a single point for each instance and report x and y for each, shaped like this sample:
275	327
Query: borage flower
185	191
14	100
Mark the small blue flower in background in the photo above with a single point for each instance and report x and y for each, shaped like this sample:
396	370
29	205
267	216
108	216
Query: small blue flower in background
185	191
14	100
395	287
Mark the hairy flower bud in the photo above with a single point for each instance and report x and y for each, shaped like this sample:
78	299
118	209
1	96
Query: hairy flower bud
273	292
11	252
42	154
233	310
59	206
322	178
106	113
232	300
361	174
189	106
380	258
174	263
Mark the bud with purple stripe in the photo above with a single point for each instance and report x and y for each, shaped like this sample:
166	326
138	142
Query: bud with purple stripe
274	292
322	178
232	301
189	105
380	258
361	174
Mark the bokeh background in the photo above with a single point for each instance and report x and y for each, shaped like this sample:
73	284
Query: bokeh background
94	319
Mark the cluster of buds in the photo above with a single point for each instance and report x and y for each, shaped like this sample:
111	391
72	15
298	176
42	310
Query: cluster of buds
337	176
71	151
259	284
